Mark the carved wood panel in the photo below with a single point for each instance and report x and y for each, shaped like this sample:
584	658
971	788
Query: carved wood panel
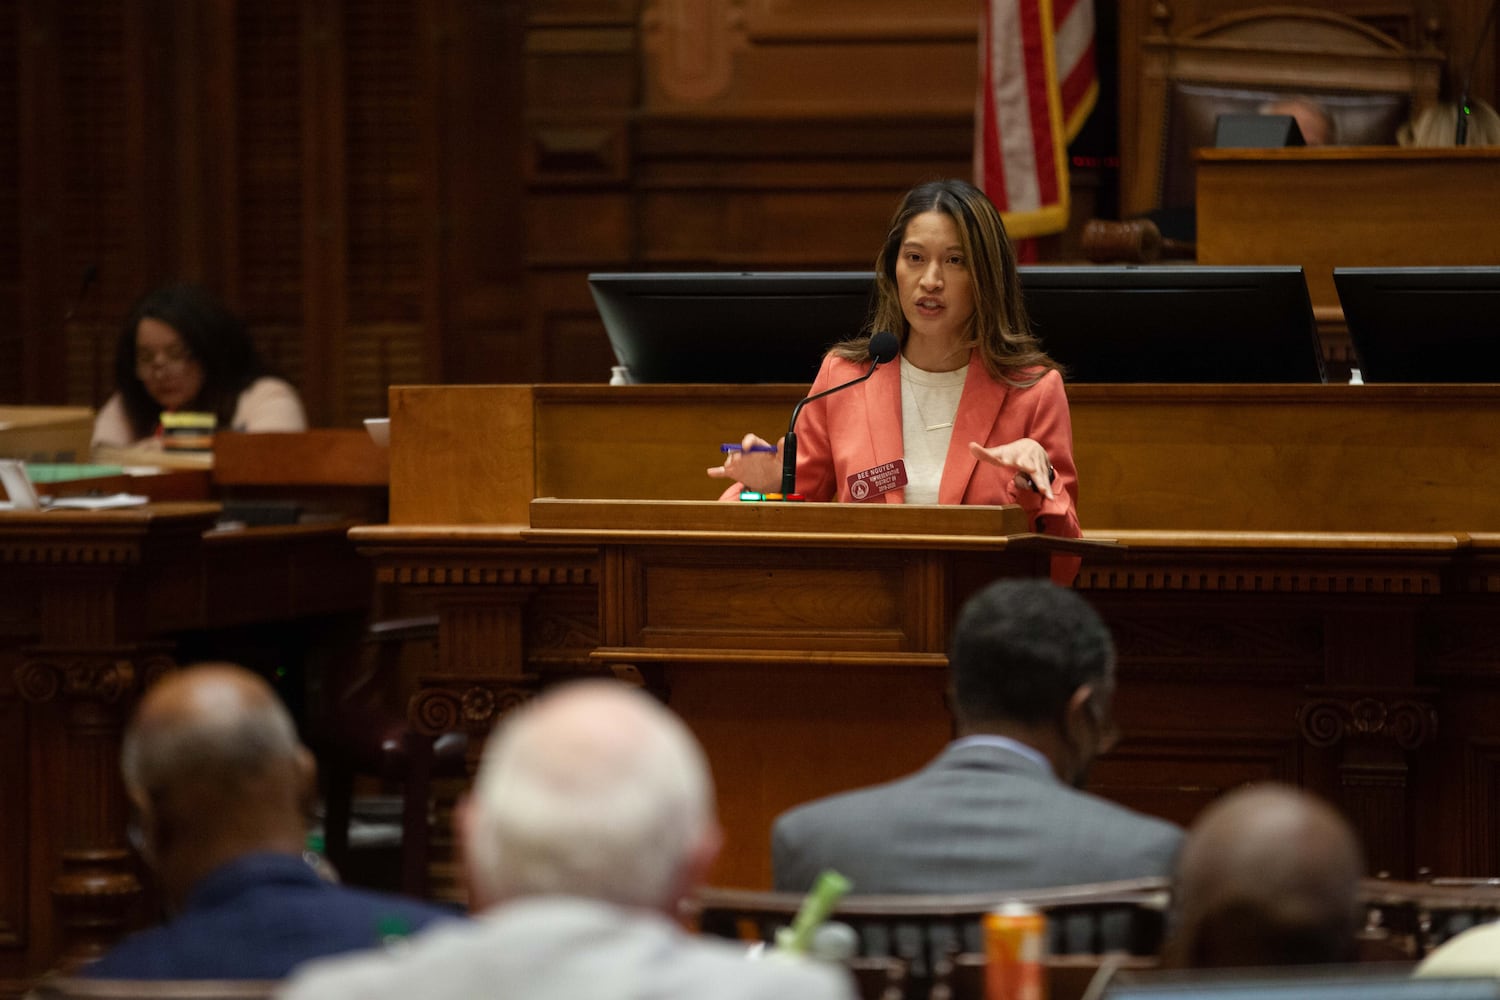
12	341
14	850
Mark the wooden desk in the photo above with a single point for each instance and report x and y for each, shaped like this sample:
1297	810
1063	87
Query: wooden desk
91	606
1304	596
1347	206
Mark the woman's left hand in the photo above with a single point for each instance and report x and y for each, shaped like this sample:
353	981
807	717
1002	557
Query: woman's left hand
1027	457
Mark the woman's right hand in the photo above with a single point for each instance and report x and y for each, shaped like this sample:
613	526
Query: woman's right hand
754	465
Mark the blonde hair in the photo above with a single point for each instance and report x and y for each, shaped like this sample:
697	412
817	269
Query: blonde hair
1437	126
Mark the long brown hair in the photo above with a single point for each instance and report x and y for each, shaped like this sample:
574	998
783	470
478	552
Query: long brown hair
999	327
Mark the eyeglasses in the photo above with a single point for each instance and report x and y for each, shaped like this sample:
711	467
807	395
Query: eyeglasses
170	361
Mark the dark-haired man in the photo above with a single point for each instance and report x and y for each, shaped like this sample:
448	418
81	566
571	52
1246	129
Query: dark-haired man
1032	675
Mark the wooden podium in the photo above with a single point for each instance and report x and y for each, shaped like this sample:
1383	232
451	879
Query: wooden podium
1304	593
803	643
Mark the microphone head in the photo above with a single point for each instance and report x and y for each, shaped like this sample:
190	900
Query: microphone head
884	347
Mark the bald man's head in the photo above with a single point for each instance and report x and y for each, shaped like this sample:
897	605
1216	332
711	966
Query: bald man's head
213	766
1267	876
1313	120
594	790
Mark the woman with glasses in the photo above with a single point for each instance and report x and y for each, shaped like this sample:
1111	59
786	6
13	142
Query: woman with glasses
182	350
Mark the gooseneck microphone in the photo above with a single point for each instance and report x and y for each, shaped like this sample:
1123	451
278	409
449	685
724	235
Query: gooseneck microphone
1461	135
883	347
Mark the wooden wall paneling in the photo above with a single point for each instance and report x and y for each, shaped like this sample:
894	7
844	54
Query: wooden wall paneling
1461	29
119	138
479	108
582	86
325	207
15	851
1177	775
12	333
203	175
568	342
40	184
266	189
430	38
384	184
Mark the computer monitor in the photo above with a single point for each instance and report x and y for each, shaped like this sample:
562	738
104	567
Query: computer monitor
1175	323
1301	983
1423	324
753	326
1238	131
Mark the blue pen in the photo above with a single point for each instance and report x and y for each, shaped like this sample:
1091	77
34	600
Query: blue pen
740	448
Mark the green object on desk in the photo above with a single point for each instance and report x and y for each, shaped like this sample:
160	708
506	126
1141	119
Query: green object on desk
63	472
815	910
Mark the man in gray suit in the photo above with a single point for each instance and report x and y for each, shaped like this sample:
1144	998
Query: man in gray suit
1032	676
590	821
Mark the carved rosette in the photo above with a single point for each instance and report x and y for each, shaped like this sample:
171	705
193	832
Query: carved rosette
82	679
472	707
690	46
1407	722
88	678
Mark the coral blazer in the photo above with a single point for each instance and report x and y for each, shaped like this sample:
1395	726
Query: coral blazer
860	428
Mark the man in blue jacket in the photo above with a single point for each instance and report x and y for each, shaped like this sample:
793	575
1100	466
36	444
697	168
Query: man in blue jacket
221	788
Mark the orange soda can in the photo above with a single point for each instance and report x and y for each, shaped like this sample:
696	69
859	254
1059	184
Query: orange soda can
1015	947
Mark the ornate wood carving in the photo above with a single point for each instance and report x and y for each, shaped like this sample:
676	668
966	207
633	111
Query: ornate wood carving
78	678
1481	803
1291	578
1213	647
444	705
690	46
1408	722
1460	645
1376	731
14	833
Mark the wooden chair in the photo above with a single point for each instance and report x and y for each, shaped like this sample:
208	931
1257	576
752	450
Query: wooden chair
1413	918
962	977
878	978
1369	82
359	736
69	988
922	931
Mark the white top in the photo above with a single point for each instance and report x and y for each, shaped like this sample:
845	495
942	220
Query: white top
1475	952
268	404
565	948
929	401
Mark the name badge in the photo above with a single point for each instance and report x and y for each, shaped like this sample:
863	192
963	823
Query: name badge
878	481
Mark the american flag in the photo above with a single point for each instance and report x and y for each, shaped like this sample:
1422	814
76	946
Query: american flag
1037	85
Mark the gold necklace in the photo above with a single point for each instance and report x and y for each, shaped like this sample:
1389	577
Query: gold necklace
917	402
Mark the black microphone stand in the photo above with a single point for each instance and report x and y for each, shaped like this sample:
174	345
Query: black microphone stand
883	347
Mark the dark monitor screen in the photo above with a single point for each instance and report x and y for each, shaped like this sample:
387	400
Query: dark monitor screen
1302	984
1233	131
766	326
1175	323
1423	324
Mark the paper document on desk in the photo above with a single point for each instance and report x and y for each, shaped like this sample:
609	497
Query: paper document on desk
113	501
